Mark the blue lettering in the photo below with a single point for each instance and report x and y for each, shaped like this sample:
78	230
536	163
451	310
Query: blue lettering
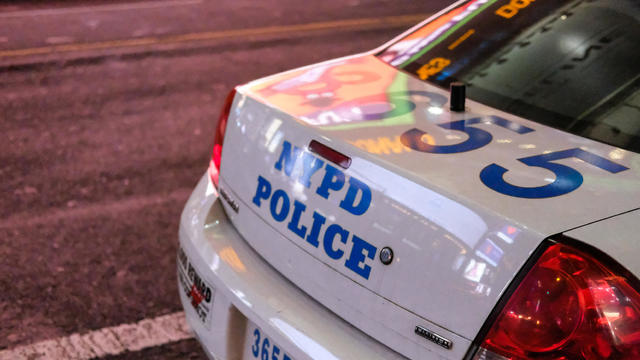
294	224
311	165
262	191
279	216
329	238
356	201
288	157
348	203
357	257
318	221
256	346
333	180
567	178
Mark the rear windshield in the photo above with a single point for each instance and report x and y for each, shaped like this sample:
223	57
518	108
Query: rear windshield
572	65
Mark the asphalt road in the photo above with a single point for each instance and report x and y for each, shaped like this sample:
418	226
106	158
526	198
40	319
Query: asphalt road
108	113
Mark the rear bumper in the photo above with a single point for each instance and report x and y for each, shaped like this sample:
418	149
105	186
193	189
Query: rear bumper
246	290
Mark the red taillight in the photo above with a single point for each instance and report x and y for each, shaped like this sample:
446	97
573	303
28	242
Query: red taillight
571	305
216	156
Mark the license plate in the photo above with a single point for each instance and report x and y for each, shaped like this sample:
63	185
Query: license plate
195	288
259	345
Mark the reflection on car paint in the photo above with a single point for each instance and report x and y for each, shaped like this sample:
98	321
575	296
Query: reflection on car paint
358	100
229	256
391	106
434	33
385	144
402	103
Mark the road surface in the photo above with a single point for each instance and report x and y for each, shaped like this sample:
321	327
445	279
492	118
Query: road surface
108	113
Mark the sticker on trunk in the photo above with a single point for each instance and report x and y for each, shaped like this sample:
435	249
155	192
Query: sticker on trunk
195	288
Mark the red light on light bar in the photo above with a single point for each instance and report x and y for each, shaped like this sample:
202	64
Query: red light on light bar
328	153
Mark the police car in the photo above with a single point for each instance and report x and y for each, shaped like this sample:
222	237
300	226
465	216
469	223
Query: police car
470	190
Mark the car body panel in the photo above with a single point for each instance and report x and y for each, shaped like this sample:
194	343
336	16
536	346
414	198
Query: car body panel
383	320
616	236
246	289
615	193
458	243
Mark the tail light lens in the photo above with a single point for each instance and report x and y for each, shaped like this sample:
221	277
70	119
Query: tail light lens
571	305
216	156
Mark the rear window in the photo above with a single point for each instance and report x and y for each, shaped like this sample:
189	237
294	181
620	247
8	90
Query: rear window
572	65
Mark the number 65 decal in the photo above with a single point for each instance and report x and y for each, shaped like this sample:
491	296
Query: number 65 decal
567	178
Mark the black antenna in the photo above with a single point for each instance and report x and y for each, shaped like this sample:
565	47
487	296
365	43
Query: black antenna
457	97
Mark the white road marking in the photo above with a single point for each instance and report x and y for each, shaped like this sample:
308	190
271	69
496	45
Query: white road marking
98	8
107	341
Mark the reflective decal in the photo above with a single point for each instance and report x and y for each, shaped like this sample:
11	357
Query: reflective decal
477	137
333	179
334	231
337	242
356	188
567	179
356	260
195	288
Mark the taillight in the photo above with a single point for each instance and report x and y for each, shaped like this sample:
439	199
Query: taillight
571	304
216	156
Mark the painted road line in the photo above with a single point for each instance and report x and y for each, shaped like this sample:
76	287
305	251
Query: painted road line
98	8
349	24
107	341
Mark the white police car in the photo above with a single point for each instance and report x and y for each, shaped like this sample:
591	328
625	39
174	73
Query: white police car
360	210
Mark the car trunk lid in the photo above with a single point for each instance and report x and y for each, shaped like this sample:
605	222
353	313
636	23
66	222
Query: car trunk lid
457	242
